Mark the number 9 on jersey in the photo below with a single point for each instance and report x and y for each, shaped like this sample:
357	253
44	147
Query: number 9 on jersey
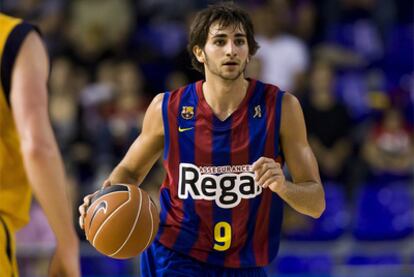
222	236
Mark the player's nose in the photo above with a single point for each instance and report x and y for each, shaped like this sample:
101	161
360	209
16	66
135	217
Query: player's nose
231	49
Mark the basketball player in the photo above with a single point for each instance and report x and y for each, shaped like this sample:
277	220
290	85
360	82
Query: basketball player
29	156
224	141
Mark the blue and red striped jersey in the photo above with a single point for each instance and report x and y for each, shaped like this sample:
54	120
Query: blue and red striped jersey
211	208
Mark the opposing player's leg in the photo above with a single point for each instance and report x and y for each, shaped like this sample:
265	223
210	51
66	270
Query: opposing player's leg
8	264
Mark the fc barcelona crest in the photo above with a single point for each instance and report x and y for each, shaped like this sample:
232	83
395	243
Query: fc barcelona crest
187	112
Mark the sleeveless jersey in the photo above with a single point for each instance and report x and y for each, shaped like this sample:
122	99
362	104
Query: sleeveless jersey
15	193
211	208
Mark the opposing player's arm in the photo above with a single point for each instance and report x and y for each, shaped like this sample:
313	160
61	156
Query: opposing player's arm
145	150
305	194
41	157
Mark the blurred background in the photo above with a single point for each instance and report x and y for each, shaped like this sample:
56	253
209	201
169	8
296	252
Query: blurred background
350	63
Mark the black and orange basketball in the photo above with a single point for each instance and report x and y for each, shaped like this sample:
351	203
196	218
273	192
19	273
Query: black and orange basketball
121	221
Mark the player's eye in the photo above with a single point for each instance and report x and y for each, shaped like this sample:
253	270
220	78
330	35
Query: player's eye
219	42
240	42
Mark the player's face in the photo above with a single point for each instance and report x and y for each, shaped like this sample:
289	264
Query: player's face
226	51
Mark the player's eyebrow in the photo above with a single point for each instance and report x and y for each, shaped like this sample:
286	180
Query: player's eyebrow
223	35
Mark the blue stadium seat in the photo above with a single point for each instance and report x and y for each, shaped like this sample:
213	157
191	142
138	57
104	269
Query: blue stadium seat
383	212
331	224
315	265
373	265
386	259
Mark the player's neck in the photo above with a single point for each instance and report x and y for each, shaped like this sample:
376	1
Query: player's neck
224	96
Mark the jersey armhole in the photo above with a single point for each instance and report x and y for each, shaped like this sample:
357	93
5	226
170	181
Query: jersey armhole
279	100
166	124
11	49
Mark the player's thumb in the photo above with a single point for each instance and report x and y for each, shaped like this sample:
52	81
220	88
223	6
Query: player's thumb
106	183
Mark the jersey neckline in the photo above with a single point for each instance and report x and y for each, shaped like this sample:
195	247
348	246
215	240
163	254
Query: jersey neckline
236	116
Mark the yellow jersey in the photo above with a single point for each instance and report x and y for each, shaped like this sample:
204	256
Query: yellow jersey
15	192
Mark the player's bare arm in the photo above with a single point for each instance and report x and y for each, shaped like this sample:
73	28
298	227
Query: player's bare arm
305	194
41	156
142	154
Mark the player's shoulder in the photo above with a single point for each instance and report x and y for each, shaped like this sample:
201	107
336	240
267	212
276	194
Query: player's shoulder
290	101
153	116
158	98
156	103
33	48
20	33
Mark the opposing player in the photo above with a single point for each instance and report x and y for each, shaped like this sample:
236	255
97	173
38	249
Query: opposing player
29	156
224	142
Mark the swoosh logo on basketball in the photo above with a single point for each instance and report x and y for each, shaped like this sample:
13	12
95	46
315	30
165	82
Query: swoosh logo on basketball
101	206
184	129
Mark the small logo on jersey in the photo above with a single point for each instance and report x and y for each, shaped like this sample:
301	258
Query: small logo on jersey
227	189
101	206
187	112
184	129
257	112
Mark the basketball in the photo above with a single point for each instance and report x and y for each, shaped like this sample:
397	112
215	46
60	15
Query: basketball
121	221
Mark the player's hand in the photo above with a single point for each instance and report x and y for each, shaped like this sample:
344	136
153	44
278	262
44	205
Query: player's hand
65	261
269	174
86	202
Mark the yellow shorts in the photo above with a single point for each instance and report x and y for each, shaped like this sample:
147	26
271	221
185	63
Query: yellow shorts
8	264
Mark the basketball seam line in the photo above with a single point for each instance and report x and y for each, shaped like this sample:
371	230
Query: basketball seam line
104	222
133	227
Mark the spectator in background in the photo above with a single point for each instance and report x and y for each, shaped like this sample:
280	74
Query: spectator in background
353	43
283	57
388	149
328	124
130	104
64	102
98	29
305	19
48	15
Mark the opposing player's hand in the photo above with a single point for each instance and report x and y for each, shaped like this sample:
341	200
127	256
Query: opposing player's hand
86	202
65	261
269	174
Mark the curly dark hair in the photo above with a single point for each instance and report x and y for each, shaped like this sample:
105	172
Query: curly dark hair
226	14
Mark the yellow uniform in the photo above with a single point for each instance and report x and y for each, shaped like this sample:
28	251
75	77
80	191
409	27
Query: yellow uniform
15	192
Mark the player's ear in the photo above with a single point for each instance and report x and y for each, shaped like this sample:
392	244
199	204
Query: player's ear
198	53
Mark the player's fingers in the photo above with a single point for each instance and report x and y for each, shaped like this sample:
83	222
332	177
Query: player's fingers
81	221
81	209
257	164
264	161
269	181
267	165
269	174
258	174
87	199
106	183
